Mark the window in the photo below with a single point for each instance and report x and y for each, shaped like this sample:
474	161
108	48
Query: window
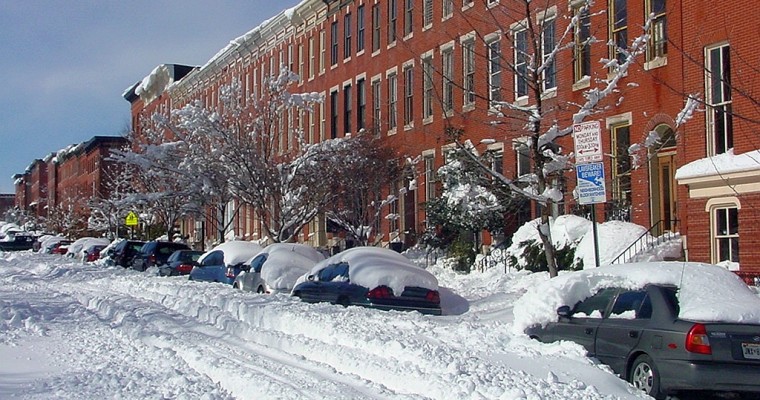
347	102
448	8
334	43
596	305
427	87
523	158
521	63
427	13
322	120
322	51
347	35
408	16
658	39
618	29
360	28
301	69
725	234
361	104
429	160
408	95
376	106
581	45
334	114
393	216
392	21
392	99
312	58
633	304
719	117
468	71
494	73
549	73
621	171
448	79
375	28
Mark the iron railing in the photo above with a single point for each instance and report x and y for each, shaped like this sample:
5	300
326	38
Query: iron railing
661	232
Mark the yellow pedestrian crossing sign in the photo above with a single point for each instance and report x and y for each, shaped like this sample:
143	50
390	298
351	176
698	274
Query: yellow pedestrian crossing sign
131	219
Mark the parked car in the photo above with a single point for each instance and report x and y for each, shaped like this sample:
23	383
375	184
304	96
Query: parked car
15	240
181	262
277	267
76	249
224	262
91	252
47	244
123	253
155	253
371	277
664	327
61	247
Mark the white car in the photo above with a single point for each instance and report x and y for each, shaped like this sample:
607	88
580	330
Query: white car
277	267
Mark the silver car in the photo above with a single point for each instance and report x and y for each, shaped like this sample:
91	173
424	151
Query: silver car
640	335
277	267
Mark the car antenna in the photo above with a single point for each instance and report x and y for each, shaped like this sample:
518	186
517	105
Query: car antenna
683	269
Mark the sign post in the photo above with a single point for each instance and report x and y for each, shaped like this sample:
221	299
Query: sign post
589	168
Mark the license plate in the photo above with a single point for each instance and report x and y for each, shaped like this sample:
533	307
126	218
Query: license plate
751	350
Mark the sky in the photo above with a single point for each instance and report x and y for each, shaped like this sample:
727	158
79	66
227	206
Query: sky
87	331
66	63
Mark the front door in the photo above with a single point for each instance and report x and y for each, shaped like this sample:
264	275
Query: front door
666	172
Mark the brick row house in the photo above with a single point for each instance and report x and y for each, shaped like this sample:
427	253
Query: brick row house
410	71
63	182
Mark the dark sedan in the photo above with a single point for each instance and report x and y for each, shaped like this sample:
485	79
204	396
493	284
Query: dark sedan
371	277
640	334
181	262
155	253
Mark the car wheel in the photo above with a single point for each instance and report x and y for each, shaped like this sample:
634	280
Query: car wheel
236	286
645	377
343	301
189	277
260	290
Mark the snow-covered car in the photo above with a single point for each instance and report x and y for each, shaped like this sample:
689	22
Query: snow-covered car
371	277
277	267
49	242
16	240
155	254
665	327
91	252
80	246
214	265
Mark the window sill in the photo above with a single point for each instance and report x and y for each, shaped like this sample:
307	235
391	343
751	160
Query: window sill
468	6
521	101
656	63
427	120
549	94
375	53
426	27
448	17
360	52
408	36
409	127
346	60
582	83
391	45
392	132
613	75
448	114
468	107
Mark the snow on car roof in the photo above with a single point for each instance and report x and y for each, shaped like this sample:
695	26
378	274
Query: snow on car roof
707	293
235	251
286	262
375	266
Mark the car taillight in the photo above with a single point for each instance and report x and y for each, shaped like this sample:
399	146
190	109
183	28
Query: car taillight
380	292
433	296
92	257
184	268
697	341
151	260
230	272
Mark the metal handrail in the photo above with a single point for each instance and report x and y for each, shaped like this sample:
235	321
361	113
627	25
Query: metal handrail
646	241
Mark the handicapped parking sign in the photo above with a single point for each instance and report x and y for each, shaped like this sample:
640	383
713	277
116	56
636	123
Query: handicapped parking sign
591	188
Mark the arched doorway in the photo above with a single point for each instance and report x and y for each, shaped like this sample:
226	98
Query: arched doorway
662	171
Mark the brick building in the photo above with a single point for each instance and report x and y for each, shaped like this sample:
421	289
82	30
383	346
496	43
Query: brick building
409	70
66	180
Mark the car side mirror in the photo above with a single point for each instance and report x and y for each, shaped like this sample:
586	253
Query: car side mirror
311	278
564	312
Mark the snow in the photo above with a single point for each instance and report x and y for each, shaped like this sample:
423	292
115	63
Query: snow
720	164
707	293
235	251
369	267
76	248
286	262
154	84
72	331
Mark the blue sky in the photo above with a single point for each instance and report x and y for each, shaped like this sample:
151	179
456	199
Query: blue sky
65	64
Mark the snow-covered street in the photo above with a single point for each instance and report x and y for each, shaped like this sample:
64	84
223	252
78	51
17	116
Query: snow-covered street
70	330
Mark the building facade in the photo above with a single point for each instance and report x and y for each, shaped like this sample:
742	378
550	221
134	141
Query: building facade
414	71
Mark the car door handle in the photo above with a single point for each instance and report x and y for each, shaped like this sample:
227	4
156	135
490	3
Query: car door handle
633	334
589	331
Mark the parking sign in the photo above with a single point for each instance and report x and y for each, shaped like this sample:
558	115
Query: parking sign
591	187
587	138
